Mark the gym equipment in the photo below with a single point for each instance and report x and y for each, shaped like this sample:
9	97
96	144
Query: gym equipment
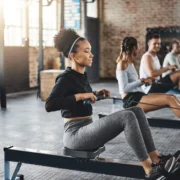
88	161
153	121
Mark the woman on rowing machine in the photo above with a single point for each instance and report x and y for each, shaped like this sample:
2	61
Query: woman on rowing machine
130	85
80	131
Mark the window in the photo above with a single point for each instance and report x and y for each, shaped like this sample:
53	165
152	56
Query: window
92	9
49	24
13	16
15	22
72	14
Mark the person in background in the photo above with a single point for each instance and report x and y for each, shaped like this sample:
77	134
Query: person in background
150	67
130	84
172	58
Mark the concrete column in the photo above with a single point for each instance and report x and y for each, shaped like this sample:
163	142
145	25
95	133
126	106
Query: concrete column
40	55
2	85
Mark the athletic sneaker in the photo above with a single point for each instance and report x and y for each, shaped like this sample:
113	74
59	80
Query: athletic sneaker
178	158
176	167
177	155
164	158
156	174
161	170
170	165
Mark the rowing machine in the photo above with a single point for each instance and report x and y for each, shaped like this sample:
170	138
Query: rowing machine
88	161
153	121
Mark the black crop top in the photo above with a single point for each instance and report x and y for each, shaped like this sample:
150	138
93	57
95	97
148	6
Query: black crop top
62	97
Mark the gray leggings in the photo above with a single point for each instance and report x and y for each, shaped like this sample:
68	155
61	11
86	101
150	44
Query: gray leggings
86	134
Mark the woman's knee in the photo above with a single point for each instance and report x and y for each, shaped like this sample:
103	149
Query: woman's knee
126	116
123	119
131	118
136	109
175	76
125	113
166	99
170	95
171	98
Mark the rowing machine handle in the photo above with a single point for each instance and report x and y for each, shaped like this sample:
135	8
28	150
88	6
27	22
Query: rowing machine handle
98	96
146	84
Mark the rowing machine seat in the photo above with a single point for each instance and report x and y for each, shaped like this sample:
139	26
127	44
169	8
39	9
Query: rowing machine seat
91	154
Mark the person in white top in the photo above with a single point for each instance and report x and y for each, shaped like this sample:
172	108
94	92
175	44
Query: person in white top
172	57
150	67
130	85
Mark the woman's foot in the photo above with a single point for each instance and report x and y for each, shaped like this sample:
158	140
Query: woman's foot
161	170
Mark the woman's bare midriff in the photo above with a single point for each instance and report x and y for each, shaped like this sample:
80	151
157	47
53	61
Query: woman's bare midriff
76	118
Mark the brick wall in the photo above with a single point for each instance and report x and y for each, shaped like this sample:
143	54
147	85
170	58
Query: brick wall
117	19
51	61
131	18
